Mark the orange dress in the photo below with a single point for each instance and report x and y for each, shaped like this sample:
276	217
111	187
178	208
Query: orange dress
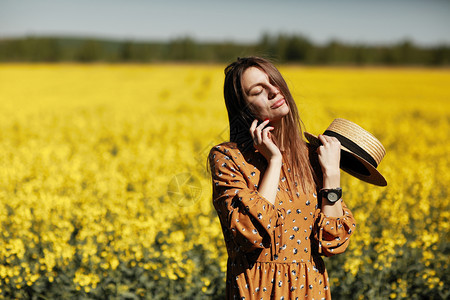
273	250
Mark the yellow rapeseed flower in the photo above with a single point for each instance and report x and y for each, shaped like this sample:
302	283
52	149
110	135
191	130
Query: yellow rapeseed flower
88	153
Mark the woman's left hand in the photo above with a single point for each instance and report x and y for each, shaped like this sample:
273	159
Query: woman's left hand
329	158
329	155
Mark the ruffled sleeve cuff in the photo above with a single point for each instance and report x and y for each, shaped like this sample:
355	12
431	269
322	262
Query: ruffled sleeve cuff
333	233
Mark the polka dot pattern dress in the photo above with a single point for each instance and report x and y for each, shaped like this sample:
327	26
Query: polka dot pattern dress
274	250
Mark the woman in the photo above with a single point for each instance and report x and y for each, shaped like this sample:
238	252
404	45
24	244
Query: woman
265	192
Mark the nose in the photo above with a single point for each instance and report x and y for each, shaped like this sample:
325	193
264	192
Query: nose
273	92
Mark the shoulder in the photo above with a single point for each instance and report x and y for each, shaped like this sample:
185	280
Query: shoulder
225	148
226	152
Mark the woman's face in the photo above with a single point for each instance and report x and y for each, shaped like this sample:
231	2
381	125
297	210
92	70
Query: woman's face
264	97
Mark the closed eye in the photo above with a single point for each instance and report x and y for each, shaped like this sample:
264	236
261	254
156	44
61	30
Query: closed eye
256	92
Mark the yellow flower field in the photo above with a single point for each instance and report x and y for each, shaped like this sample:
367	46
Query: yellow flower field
104	190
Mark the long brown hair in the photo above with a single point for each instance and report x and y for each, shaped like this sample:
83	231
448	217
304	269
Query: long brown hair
288	137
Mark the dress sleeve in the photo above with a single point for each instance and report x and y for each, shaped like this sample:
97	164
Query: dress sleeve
247	215
332	234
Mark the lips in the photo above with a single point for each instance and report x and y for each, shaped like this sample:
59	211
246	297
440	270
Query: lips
278	103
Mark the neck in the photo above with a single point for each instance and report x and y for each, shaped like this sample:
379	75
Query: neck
276	125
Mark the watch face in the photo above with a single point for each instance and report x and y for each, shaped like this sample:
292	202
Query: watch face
332	196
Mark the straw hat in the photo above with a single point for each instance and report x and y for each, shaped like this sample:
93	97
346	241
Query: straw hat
362	152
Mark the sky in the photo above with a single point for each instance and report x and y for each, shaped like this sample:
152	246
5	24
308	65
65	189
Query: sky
426	23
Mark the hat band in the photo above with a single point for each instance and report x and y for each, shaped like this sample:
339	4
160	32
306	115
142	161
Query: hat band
350	145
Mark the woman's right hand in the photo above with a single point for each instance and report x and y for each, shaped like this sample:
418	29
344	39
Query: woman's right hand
263	142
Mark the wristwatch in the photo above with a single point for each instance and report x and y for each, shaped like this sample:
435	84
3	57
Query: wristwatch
331	195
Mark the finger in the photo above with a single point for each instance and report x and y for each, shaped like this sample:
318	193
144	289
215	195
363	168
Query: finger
266	133
336	141
329	138
257	131
319	150
257	136
252	128
323	139
332	141
268	128
263	124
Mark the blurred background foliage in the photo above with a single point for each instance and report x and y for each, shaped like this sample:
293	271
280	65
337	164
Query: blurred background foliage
285	48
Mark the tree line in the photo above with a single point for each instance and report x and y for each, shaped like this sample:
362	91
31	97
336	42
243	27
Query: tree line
281	48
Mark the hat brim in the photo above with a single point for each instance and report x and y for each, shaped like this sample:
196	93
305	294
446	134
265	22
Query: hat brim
353	164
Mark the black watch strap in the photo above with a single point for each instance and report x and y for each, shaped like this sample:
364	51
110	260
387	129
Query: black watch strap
332	195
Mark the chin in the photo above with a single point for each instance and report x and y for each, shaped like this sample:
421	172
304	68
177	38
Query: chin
280	114
285	109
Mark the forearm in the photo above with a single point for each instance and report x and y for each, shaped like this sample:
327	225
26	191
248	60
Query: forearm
332	180
269	184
